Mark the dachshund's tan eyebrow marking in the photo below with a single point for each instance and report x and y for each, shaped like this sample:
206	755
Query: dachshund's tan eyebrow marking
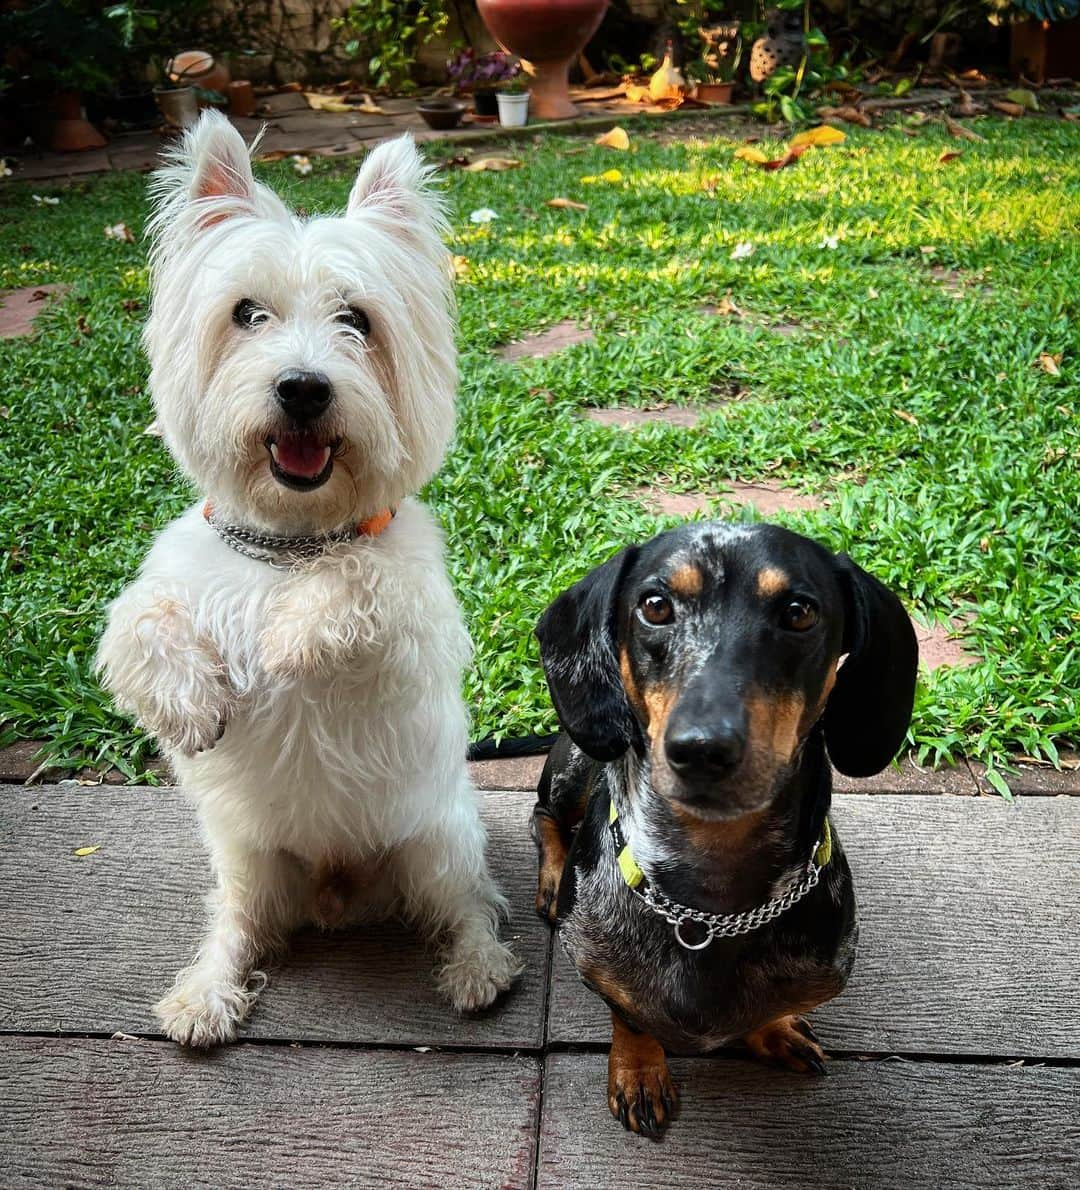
687	580
771	581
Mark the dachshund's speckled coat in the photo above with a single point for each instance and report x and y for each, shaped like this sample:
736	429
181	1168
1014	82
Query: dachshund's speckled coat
696	678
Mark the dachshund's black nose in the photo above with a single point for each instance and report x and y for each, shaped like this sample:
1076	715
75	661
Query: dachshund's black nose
714	748
303	395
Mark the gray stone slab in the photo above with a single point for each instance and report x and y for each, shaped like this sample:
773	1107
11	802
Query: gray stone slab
76	1112
874	1126
88	944
968	941
62	165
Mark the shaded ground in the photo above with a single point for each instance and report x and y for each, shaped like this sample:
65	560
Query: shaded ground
954	1049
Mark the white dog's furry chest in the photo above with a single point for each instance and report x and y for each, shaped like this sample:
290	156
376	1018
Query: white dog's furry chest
349	759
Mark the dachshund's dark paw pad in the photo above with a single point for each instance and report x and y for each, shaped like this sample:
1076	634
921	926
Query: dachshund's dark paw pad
642	1097
788	1042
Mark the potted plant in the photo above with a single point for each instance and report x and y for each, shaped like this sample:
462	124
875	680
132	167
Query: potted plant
55	53
182	80
719	63
481	75
513	101
1037	51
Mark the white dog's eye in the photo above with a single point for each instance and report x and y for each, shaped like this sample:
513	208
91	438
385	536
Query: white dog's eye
356	319
249	314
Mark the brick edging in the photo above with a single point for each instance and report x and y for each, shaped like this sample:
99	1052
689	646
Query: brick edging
966	779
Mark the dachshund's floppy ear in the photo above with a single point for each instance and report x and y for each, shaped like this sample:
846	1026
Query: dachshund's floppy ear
869	710
577	636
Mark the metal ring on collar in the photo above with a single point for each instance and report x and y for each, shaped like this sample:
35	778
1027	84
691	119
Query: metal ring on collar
692	945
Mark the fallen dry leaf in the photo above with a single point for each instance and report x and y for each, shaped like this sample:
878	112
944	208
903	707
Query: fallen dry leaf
1009	109
823	134
566	204
749	153
962	133
87	850
967	106
848	113
615	139
910	418
328	103
951	156
789	158
494	164
1049	363
609	175
1025	99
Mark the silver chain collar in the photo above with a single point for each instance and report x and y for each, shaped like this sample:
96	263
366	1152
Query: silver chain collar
282	553
728	925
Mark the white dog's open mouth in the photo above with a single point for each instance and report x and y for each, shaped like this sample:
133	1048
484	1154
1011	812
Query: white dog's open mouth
301	461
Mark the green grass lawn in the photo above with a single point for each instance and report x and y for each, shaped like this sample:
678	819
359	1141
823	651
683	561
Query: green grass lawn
947	454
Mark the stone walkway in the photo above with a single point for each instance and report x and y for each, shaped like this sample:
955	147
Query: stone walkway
955	1050
292	126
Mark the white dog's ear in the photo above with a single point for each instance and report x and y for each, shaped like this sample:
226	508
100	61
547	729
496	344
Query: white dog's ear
219	162
395	181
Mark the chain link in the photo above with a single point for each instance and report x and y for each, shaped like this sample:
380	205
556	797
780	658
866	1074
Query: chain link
282	553
729	925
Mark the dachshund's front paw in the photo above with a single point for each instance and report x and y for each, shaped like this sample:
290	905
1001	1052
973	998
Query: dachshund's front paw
641	1095
788	1042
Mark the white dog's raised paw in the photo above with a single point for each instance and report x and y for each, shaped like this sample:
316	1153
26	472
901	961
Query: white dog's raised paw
475	974
203	1014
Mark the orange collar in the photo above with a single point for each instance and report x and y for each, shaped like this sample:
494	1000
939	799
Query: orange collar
371	527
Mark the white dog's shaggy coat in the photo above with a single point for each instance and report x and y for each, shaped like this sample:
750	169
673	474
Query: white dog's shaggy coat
312	713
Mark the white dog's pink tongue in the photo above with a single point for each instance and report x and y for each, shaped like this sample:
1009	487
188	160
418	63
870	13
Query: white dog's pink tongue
301	454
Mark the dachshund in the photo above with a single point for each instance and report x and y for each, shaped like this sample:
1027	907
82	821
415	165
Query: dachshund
703	681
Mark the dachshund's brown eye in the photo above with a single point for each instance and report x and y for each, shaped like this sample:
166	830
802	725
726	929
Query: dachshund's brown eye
655	609
799	615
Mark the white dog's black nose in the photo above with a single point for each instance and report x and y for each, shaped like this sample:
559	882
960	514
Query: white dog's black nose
303	395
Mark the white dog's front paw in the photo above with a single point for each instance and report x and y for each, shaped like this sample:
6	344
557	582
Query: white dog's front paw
477	972
203	1013
198	730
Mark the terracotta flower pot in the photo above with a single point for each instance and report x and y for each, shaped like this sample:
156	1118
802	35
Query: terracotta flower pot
71	130
547	35
715	92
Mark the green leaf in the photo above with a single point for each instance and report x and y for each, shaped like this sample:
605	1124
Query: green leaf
999	783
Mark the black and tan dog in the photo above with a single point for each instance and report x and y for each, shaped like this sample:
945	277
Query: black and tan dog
705	895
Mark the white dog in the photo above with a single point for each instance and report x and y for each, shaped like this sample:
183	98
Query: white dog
294	643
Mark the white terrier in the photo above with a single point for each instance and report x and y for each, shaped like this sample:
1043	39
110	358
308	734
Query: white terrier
294	644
